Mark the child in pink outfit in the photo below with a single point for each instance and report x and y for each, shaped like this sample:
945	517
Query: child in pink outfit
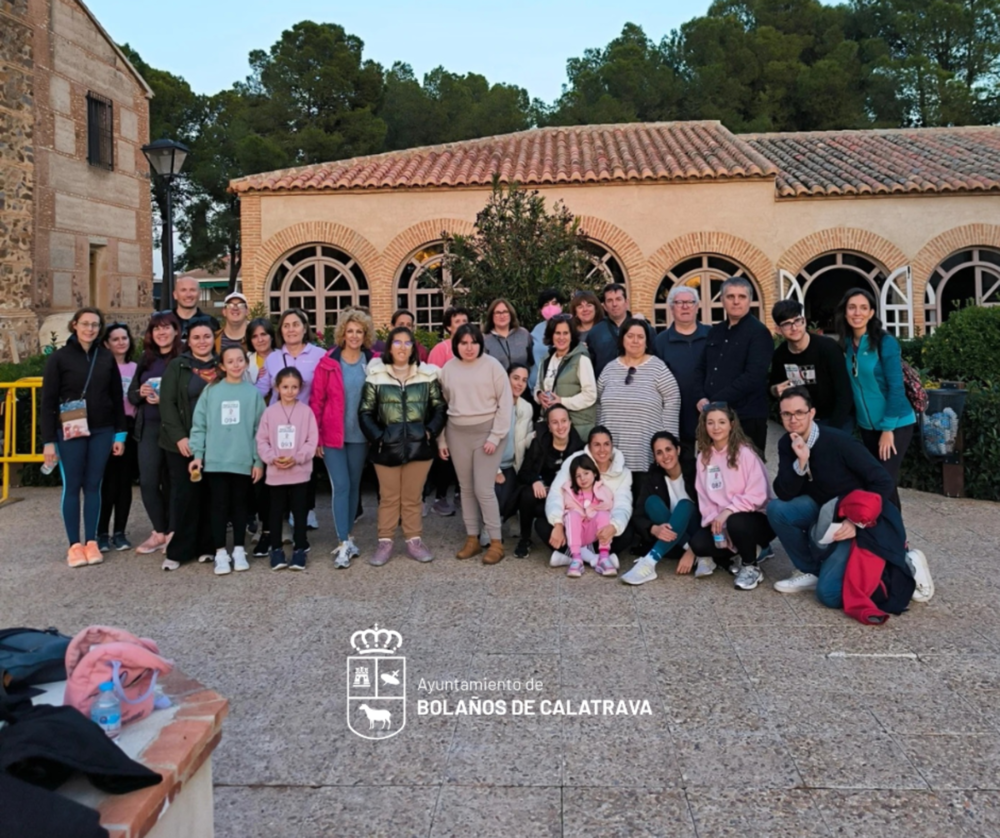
587	505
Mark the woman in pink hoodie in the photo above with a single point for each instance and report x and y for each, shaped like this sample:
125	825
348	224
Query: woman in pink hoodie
587	505
733	491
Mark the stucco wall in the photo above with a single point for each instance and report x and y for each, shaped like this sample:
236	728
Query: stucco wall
650	226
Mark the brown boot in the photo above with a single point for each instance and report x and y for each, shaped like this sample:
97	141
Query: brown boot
470	548
494	553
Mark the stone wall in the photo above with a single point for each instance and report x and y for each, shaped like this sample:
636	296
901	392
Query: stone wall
17	179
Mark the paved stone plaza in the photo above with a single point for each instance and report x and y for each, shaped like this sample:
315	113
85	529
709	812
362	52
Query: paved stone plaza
771	716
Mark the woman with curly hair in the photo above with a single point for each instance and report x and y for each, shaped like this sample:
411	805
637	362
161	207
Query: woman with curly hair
335	399
733	492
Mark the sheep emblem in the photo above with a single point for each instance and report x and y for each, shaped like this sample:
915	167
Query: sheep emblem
376	684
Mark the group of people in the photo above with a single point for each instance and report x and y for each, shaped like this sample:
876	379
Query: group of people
595	433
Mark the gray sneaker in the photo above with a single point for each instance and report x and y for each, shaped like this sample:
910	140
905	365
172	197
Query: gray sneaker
749	577
416	549
342	555
443	507
382	553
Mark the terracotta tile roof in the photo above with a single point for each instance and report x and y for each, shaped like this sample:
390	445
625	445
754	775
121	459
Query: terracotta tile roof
666	151
883	162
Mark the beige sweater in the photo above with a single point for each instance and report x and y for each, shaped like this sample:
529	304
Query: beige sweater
477	392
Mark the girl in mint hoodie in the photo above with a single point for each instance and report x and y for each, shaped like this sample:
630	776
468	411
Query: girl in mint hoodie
733	492
224	443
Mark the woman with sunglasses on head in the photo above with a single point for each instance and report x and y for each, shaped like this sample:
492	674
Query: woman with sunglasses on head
733	493
875	365
336	396
160	345
638	397
402	412
82	420
185	379
116	488
566	375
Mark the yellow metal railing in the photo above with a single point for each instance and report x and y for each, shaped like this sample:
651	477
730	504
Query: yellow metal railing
11	449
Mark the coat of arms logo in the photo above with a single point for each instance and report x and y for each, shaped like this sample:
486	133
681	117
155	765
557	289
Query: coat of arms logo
376	684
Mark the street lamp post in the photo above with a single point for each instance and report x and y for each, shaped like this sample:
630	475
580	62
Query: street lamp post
166	158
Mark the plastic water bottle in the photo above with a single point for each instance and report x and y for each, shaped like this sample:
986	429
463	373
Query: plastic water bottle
47	470
106	710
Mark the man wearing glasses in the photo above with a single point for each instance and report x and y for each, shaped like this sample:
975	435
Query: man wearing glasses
681	348
815	362
817	467
235	310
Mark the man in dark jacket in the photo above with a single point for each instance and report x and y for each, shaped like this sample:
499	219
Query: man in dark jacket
736	361
186	293
681	348
815	362
816	467
602	340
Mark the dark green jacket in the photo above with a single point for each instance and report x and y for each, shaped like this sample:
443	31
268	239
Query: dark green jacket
401	422
176	408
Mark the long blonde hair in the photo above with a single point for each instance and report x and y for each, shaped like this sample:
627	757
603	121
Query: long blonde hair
737	437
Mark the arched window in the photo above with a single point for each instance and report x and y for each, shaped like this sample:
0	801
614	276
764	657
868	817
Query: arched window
705	273
967	276
426	287
828	277
607	267
320	279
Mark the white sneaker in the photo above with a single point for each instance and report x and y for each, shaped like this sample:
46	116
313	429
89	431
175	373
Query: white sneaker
312	522
342	555
917	562
705	567
749	577
240	559
355	552
222	563
205	557
170	564
644	570
559	559
798	581
590	557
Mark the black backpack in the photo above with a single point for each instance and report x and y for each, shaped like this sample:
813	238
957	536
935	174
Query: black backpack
31	656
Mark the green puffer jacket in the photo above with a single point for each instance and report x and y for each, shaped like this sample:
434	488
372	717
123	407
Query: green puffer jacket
401	422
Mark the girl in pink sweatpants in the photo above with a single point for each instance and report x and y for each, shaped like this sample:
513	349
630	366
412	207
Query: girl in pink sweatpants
587	504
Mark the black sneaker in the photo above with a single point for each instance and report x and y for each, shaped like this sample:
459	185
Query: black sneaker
278	560
120	542
103	543
298	560
263	546
522	549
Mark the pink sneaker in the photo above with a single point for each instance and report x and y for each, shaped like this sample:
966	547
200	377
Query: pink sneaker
416	550
605	567
575	568
156	541
382	553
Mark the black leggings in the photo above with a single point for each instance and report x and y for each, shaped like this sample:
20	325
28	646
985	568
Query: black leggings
902	437
747	531
529	508
116	489
287	498
192	537
230	502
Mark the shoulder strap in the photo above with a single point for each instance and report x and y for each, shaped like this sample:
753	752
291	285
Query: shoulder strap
90	372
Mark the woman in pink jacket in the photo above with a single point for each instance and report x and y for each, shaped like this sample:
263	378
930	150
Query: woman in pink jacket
733	491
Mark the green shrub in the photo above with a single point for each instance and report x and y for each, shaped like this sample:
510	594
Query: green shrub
913	351
982	444
966	347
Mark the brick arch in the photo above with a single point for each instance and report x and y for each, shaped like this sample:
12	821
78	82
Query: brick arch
416	236
752	258
312	232
860	241
616	239
941	247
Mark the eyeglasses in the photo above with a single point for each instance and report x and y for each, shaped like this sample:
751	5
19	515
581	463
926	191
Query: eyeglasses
406	344
715	406
794	323
236	305
684	303
794	414
630	375
88	324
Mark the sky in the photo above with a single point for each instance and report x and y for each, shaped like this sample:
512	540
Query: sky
524	43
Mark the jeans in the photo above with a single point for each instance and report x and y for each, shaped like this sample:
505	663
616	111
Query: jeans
791	521
345	466
82	462
682	521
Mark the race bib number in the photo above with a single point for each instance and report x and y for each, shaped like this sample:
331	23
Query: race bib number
715	479
230	413
800	375
286	437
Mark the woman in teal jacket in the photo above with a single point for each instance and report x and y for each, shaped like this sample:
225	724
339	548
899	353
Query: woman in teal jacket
875	367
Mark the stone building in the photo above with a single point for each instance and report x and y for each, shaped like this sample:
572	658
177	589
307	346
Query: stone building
75	216
912	214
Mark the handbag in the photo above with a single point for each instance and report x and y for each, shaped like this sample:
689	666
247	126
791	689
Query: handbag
31	656
73	414
133	664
